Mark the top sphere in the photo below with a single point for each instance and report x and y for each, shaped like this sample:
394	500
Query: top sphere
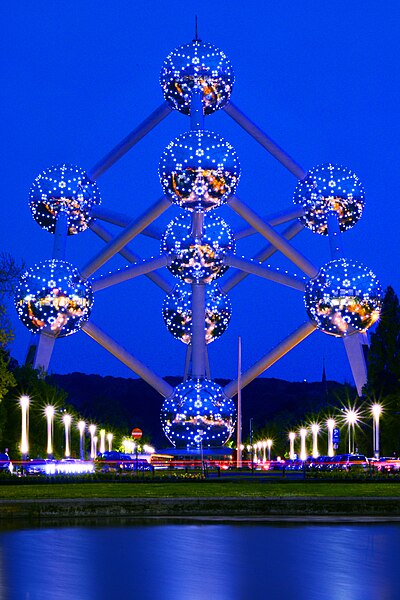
63	188
330	188
197	65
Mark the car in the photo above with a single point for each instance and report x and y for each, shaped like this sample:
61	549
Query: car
387	465
351	462
38	466
5	463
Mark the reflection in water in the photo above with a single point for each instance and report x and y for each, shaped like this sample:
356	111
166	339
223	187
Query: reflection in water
201	562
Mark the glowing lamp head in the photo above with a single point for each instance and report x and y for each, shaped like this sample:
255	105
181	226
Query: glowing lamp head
197	259
330	188
67	420
315	428
63	188
303	432
197	65
24	402
92	429
351	416
330	423
199	170
292	436
197	413
344	298
49	411
177	313
269	444
53	297
376	410
81	426
109	437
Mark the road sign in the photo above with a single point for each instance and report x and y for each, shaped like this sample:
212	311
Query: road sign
136	433
336	435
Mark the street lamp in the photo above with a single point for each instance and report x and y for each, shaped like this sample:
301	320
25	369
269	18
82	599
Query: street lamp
264	445
376	410
330	423
67	424
292	437
49	412
255	459
102	448
109	440
24	404
259	446
269	446
95	439
314	430
81	428
92	431
351	416
303	451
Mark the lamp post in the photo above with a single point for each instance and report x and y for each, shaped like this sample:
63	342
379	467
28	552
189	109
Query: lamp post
259	447
269	446
303	451
376	410
314	430
264	445
92	431
109	441
67	424
49	412
95	439
292	437
351	418
102	448
330	423
24	404
81	428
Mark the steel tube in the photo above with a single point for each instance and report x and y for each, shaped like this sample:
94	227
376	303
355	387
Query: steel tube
60	236
135	270
273	220
272	357
265	141
132	257
131	139
196	109
127	359
126	235
273	237
198	332
334	235
121	220
267	273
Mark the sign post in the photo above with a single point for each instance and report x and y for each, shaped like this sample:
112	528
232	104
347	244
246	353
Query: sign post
136	434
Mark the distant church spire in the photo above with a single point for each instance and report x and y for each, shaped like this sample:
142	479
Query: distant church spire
323	371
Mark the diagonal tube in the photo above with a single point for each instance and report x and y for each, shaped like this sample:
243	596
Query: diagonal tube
254	268
273	220
131	139
132	257
127	359
272	357
265	141
121	220
126	235
142	268
262	256
272	236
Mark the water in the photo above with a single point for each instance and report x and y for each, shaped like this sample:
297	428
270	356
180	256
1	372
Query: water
201	562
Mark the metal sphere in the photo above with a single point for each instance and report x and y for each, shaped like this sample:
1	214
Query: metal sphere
199	170
330	188
177	313
52	297
197	413
344	298
197	65
195	258
63	188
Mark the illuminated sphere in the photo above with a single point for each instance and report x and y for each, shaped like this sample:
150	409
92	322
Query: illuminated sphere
63	188
344	298
197	65
195	259
177	313
199	170
198	411
328	188
52	297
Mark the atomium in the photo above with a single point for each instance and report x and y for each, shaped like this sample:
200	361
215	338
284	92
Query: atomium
177	313
197	65
199	170
63	188
198	413
52	297
344	298
194	258
330	188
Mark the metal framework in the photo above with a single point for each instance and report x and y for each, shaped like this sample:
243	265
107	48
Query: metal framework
196	361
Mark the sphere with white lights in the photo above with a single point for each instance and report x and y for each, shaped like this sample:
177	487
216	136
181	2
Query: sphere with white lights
177	313
199	170
63	189
198	65
198	256
198	413
344	298
330	188
52	297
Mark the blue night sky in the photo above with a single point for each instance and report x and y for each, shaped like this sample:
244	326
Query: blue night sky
321	78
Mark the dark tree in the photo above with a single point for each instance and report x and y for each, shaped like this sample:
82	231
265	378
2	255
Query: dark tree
384	352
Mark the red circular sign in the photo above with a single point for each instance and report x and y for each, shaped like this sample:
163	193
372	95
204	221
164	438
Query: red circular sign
137	433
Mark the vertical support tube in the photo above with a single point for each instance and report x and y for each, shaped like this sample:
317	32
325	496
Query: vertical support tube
60	236
196	109
198	333
334	235
239	408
